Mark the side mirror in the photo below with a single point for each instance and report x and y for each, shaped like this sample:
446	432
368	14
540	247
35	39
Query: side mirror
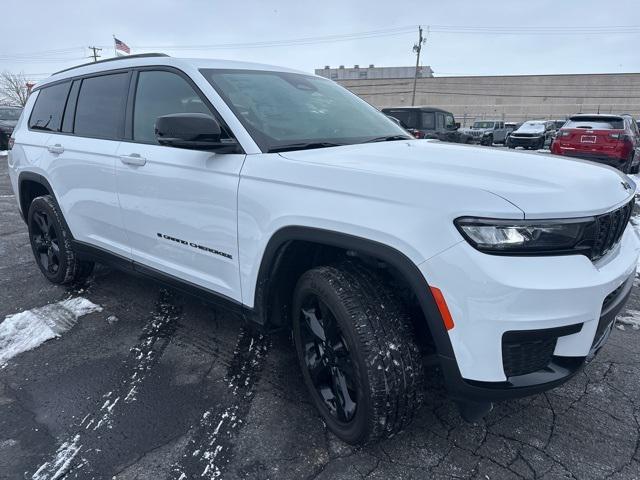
196	131
457	125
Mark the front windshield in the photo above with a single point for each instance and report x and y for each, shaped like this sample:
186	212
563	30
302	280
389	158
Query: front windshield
10	113
531	127
483	124
284	110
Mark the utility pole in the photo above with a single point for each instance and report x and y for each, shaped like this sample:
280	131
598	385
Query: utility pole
417	48
95	53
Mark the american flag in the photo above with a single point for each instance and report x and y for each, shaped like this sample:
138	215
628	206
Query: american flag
120	45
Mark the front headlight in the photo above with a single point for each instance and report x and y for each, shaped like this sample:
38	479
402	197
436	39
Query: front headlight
527	237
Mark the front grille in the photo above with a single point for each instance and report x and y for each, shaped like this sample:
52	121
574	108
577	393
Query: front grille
608	230
476	133
525	135
527	351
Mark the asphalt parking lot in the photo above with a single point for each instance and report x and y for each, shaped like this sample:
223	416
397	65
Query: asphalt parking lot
154	384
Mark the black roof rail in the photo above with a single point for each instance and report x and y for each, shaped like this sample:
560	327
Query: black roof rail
114	59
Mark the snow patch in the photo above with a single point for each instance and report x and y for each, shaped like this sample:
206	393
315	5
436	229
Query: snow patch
58	467
631	318
29	329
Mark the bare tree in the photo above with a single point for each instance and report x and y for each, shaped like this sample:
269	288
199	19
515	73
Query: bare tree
13	89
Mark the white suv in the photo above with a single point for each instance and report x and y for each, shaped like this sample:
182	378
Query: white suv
298	205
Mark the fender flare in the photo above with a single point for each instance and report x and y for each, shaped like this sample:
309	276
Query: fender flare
33	177
407	268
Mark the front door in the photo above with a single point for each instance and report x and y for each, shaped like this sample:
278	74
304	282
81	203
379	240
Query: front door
179	206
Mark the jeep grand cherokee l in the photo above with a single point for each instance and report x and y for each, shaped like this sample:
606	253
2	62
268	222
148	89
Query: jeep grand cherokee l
297	205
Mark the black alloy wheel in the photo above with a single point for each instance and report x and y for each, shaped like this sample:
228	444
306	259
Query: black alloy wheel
51	243
327	359
46	242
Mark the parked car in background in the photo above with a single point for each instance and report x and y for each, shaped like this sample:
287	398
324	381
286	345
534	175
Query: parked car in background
511	127
8	119
559	124
610	139
429	122
488	132
534	134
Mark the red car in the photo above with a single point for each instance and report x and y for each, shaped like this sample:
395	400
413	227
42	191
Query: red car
610	139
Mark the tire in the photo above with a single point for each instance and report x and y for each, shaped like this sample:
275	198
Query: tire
488	142
51	243
626	168
369	353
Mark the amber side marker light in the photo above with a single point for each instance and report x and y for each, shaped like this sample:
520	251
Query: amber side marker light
443	308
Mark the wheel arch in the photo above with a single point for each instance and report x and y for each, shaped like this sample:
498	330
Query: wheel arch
281	242
30	186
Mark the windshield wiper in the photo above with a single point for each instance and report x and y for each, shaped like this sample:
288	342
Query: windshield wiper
389	138
303	146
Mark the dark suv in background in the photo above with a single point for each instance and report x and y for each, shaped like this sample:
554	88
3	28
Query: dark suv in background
429	122
534	134
610	139
8	119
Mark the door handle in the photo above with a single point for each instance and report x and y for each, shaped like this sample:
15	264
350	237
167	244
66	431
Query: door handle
133	159
57	149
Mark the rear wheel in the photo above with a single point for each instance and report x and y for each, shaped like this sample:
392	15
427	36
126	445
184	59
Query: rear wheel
51	243
626	167
359	359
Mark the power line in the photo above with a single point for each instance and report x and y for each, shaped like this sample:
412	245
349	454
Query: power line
395	31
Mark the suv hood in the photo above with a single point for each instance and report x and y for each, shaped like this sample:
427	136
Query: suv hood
542	186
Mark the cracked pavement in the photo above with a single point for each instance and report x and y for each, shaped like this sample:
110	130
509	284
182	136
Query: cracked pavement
161	385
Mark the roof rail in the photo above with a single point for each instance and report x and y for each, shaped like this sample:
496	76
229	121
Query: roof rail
114	59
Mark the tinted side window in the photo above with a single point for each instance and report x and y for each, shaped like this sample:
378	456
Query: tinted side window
101	106
450	122
161	93
49	108
428	120
407	117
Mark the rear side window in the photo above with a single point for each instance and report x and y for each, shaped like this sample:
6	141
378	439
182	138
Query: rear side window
161	93
101	106
49	108
407	117
595	123
428	121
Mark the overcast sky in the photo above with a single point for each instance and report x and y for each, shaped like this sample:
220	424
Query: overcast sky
68	27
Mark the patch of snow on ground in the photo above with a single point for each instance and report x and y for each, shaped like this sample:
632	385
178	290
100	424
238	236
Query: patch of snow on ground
59	465
631	318
27	330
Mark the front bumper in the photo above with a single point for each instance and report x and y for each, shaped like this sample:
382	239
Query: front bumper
490	295
526	142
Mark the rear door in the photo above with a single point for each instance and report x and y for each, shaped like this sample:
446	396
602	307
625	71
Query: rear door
81	157
179	206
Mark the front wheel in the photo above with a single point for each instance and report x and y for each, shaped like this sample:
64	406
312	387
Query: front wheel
51	243
359	359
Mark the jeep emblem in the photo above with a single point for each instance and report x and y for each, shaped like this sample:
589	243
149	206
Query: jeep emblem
626	185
